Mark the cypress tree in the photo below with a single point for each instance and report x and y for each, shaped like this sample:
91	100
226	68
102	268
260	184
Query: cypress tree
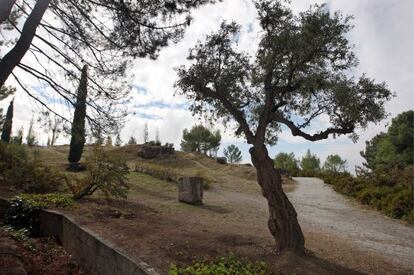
77	140
7	126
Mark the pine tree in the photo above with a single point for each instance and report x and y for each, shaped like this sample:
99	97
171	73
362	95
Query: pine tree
78	126
118	141
8	122
233	154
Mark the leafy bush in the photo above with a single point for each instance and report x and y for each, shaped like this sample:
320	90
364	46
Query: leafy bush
27	173
23	211
390	191
223	265
105	173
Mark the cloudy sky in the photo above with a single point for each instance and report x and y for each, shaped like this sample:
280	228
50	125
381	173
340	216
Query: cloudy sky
384	43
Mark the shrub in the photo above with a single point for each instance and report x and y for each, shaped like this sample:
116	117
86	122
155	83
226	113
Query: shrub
230	265
27	173
23	211
158	171
390	191
105	173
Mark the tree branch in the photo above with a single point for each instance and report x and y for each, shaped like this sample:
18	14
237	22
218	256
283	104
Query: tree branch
296	131
237	114
15	55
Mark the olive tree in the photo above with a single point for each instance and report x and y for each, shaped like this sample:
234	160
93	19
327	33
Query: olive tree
300	73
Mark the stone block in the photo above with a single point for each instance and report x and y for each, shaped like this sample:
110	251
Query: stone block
190	190
221	160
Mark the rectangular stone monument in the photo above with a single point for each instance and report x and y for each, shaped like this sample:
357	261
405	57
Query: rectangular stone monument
190	190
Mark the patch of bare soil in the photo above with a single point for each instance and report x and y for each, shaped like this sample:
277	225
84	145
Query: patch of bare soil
160	238
34	256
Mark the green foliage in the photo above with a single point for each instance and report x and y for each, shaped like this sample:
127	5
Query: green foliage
21	235
7	125
233	154
299	73
334	164
23	211
388	190
22	214
310	164
28	173
230	265
287	162
48	200
200	139
77	141
394	148
105	173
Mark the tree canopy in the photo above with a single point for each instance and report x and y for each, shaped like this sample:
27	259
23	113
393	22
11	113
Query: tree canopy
287	162
393	148
334	163
233	154
200	139
299	74
310	163
8	123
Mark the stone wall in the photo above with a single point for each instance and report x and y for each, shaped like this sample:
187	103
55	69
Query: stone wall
95	255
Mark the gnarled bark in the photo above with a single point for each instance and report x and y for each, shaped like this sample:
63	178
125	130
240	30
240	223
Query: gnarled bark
15	55
283	223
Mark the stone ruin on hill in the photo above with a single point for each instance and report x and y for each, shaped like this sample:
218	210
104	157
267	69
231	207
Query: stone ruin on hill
154	150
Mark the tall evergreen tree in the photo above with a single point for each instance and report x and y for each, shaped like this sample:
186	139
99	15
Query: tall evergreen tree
78	126
8	123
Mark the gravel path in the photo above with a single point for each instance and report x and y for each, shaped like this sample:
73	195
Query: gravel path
319	206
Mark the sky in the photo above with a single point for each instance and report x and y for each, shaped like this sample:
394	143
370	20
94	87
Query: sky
383	38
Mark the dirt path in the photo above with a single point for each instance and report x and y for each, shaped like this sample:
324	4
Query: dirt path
321	208
342	236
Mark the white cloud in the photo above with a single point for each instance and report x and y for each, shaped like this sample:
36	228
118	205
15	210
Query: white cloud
384	42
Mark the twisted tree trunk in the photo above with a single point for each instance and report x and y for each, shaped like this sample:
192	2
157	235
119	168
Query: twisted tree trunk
283	223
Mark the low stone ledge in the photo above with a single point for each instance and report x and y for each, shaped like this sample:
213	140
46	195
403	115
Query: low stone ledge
94	254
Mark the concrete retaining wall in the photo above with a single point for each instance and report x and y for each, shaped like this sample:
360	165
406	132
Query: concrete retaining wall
95	255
